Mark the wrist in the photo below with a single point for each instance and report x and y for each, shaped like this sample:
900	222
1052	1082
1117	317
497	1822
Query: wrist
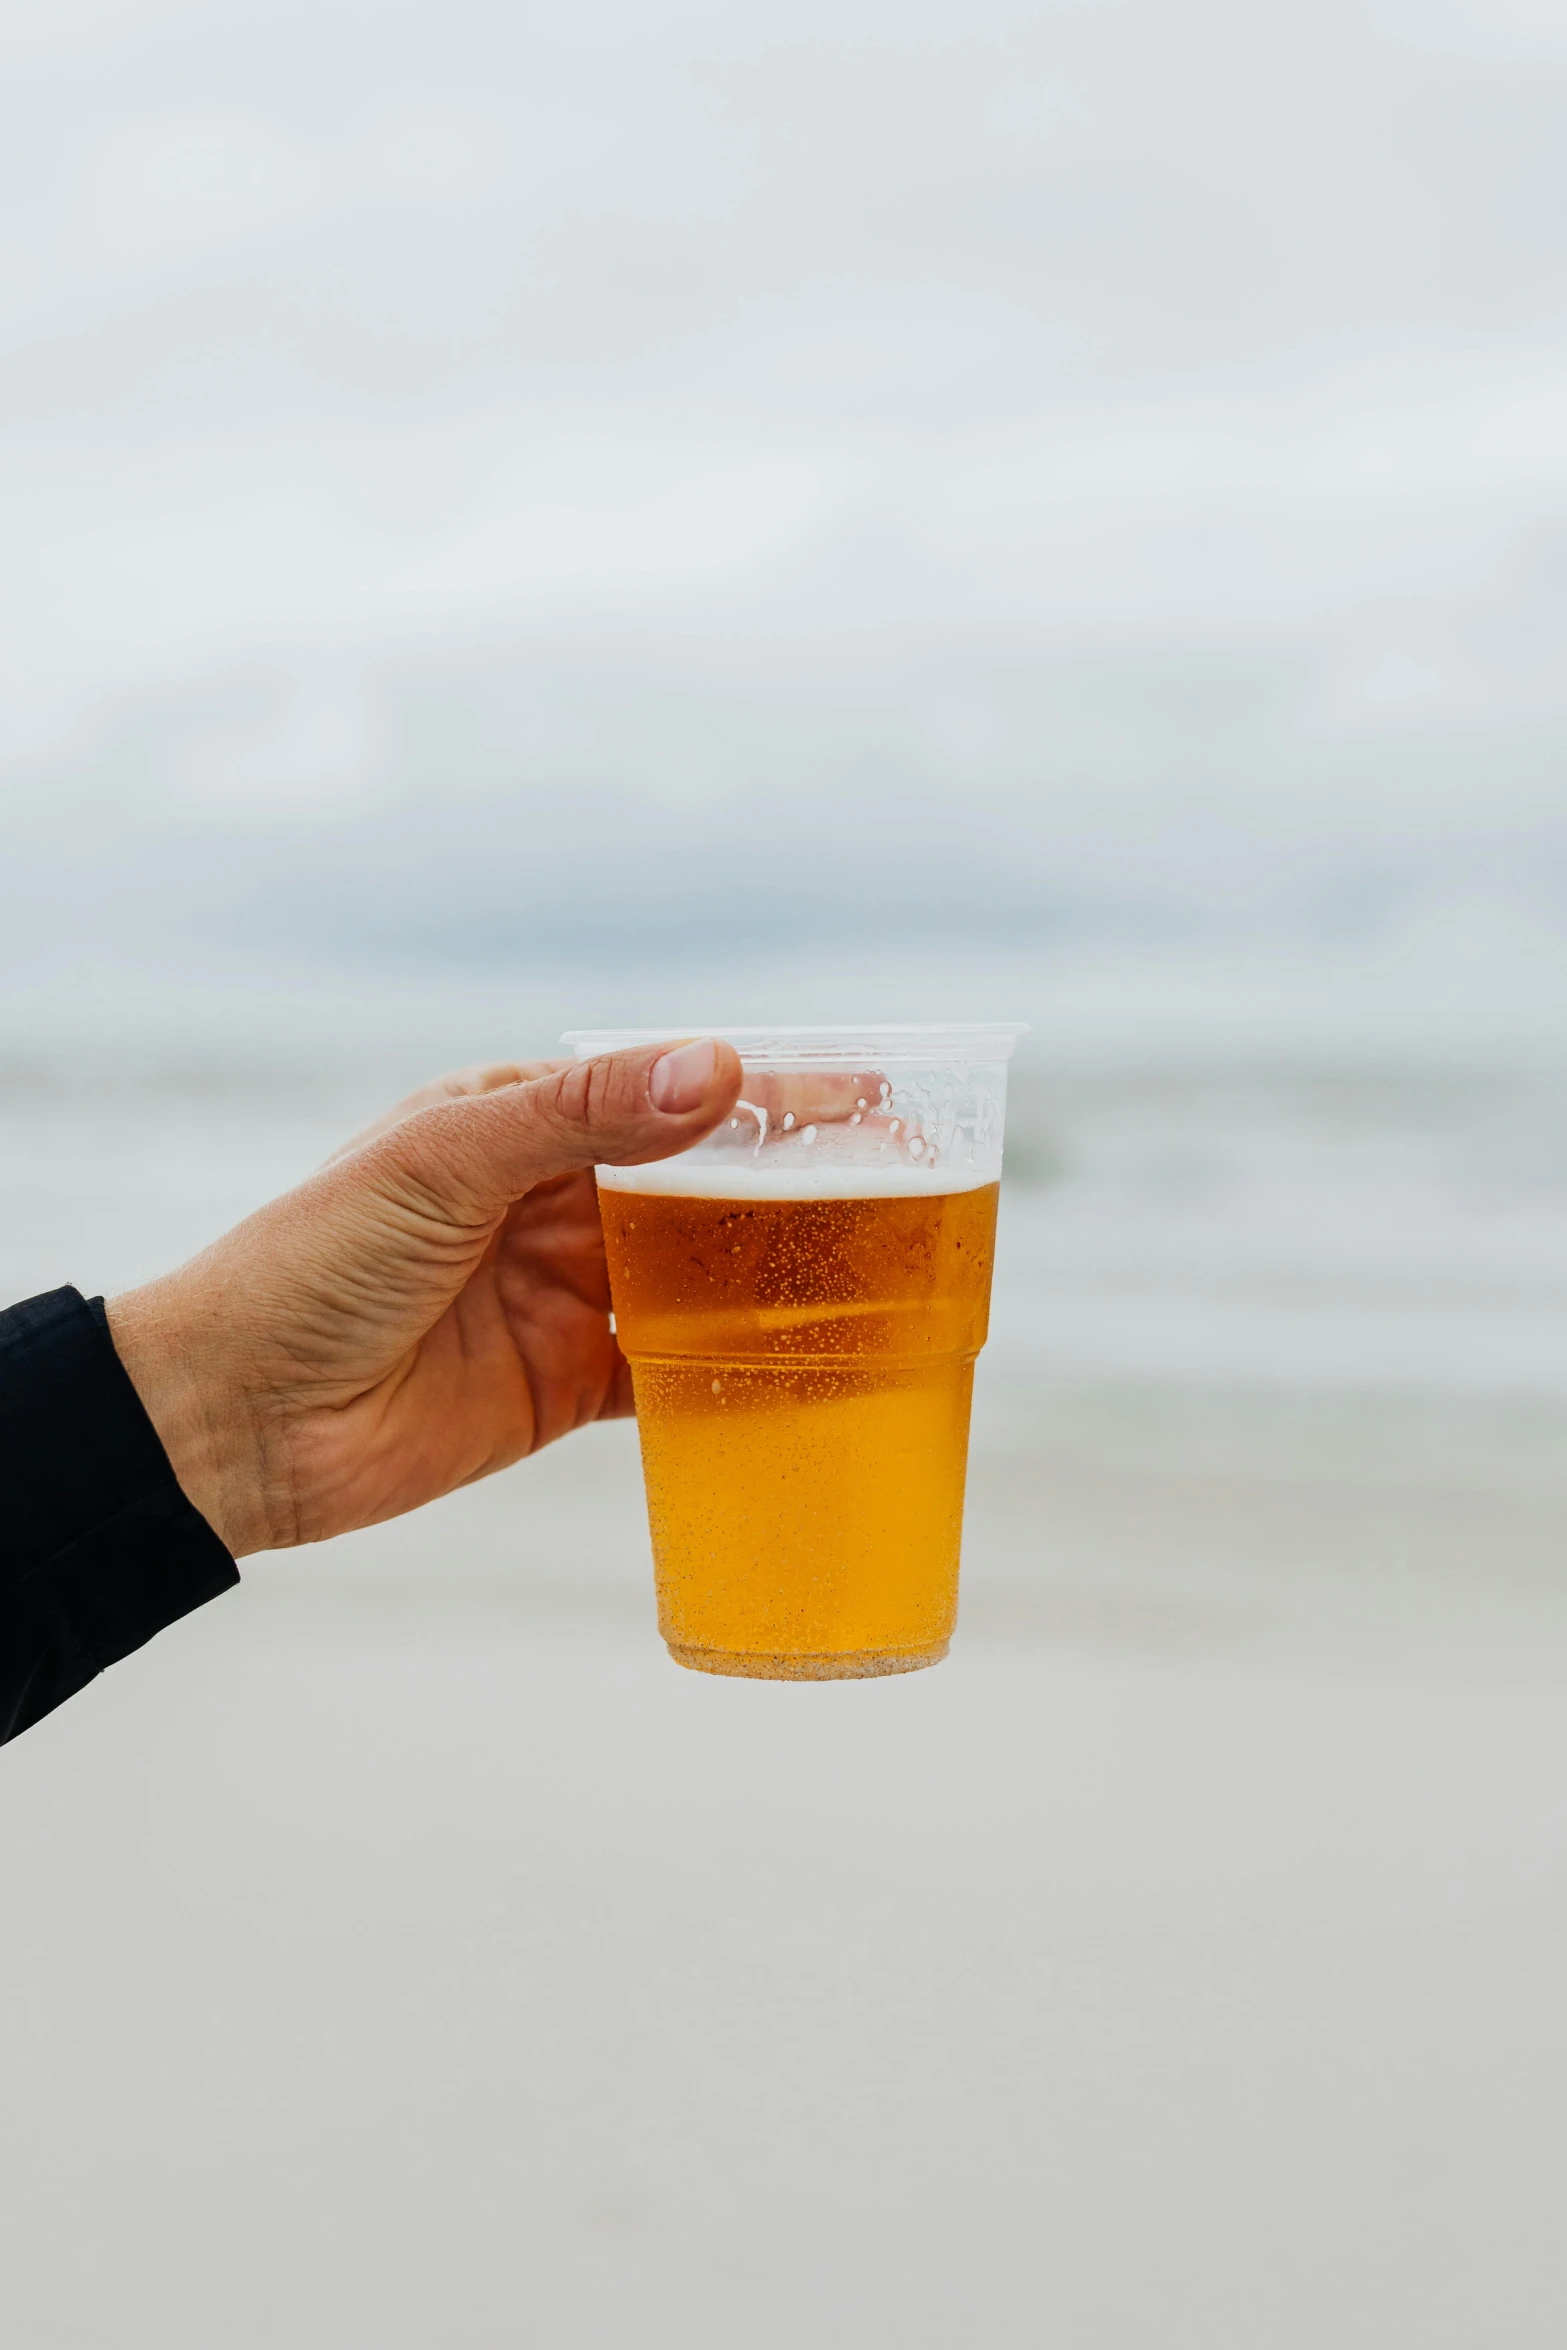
180	1363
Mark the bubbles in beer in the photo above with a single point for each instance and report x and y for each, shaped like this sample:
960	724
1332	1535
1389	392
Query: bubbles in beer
802	1369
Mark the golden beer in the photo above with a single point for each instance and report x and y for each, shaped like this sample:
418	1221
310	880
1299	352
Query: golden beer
803	1368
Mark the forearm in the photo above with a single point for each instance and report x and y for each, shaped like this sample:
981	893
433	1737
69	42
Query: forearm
100	1547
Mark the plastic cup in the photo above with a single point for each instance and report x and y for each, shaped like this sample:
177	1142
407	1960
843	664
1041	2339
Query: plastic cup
801	1299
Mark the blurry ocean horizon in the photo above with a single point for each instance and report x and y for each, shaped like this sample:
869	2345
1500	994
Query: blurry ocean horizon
1307	1183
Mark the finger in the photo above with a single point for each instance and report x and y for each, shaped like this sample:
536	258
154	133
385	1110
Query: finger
815	1097
483	1077
472	1157
554	1239
619	1401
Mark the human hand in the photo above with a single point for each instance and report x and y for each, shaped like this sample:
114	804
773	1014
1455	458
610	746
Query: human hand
432	1305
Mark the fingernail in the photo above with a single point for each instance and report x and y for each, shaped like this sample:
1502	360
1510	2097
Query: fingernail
679	1081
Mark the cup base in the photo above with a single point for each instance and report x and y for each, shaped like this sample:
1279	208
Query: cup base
855	1664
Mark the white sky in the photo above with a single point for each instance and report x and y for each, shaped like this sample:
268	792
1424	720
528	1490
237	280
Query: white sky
1118	415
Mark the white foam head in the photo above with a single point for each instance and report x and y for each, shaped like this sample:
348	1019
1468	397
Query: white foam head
698	1175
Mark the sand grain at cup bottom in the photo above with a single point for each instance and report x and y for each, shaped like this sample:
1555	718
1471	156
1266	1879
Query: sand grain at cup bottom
453	1971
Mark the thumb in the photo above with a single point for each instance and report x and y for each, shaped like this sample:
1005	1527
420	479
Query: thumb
477	1154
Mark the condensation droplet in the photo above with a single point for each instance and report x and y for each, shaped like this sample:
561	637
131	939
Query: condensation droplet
718	1387
733	1123
788	1120
916	1146
854	1121
807	1135
860	1102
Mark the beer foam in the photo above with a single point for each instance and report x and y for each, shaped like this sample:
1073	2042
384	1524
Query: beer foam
701	1177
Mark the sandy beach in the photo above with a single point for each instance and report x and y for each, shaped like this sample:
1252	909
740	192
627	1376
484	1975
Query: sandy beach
404	1951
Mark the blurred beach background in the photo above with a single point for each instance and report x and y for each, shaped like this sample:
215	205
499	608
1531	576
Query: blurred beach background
513	519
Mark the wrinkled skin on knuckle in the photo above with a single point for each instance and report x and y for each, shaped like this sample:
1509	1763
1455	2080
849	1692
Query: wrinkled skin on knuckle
602	1104
452	1085
431	1171
459	1161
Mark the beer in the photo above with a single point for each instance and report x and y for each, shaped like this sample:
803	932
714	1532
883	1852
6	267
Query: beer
803	1359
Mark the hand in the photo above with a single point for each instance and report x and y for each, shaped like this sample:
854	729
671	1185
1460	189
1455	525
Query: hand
431	1306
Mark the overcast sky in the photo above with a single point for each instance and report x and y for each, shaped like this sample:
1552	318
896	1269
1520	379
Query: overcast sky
1145	423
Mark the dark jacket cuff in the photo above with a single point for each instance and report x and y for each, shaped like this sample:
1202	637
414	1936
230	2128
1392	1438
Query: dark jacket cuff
99	1547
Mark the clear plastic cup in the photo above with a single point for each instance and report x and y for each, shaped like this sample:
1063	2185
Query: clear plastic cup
801	1299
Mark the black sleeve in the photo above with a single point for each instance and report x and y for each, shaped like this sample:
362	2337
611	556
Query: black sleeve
99	1548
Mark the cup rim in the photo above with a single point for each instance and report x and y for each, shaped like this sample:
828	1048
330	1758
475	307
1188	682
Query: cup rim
860	1043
